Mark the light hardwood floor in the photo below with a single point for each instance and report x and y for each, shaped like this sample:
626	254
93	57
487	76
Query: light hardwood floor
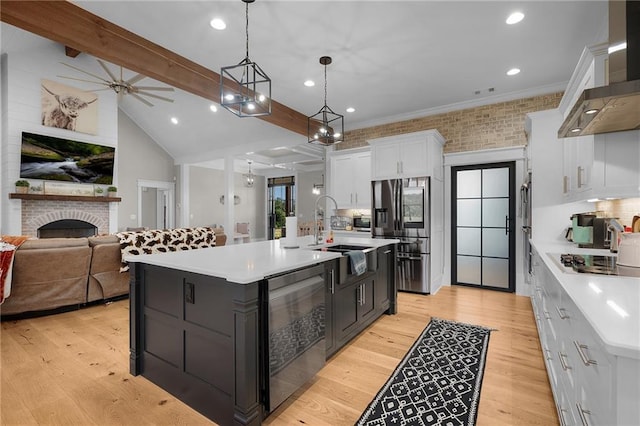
73	368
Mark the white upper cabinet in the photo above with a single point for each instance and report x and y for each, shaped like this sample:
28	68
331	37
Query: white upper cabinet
351	179
407	155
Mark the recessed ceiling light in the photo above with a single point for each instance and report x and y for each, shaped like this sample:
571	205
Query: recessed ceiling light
576	130
514	18
213	108
591	111
309	83
513	71
218	24
174	120
351	109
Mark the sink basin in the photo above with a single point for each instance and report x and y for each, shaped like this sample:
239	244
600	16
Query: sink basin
342	248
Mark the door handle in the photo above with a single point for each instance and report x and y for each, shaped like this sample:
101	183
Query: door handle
333	281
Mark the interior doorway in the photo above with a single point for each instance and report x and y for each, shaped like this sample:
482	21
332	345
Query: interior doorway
281	202
156	204
482	226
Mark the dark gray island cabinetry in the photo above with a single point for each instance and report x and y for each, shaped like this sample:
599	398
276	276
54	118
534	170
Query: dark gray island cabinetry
205	323
197	337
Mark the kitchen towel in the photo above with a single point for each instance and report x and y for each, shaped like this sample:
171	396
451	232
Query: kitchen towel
358	261
291	225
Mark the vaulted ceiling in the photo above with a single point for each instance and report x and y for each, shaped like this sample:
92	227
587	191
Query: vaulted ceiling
392	60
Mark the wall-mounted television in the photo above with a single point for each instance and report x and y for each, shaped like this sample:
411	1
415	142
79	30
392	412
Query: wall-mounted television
50	158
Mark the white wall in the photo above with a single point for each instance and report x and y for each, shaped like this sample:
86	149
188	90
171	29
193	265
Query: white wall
139	157
206	186
306	200
21	111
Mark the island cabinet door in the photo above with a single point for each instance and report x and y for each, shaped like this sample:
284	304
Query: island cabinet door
354	308
346	311
197	337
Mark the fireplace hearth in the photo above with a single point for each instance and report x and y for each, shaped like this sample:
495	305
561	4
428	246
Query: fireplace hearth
67	228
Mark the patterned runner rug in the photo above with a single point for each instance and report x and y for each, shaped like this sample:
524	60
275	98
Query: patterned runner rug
438	381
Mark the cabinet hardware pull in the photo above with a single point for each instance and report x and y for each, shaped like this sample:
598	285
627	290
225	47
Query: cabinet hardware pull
565	184
506	225
360	295
550	356
581	413
561	412
351	198
333	282
580	169
364	295
547	315
564	365
585	359
398	167
356	198
562	313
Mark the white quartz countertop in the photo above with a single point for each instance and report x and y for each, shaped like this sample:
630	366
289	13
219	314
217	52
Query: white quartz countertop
250	262
611	304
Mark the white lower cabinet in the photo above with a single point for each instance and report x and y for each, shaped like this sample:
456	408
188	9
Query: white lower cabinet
590	385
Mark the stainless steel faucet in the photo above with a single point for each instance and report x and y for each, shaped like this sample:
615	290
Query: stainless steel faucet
315	217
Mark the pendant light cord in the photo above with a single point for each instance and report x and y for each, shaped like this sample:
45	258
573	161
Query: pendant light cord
325	84
247	27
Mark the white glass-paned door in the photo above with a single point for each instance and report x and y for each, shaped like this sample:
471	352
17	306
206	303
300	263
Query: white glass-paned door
482	237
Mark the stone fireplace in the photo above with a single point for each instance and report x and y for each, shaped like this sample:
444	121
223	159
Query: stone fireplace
38	213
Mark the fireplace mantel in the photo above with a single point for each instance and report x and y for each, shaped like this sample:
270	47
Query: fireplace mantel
51	197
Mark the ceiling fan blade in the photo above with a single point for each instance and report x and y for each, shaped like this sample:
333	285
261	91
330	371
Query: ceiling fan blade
154	96
141	99
107	70
166	89
86	81
136	78
86	72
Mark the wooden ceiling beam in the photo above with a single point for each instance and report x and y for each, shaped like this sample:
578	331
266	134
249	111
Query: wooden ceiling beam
71	52
80	30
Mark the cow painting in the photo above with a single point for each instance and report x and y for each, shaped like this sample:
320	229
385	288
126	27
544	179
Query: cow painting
65	107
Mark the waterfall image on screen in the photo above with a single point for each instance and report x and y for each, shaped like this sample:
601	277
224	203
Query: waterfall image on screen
51	158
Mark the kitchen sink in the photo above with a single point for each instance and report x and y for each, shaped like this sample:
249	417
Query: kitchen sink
343	265
343	248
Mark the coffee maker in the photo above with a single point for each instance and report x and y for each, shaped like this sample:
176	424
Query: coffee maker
591	231
582	228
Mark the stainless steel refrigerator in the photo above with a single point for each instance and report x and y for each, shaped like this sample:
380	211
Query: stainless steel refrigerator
401	209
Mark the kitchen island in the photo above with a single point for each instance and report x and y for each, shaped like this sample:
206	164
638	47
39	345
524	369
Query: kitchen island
199	318
589	328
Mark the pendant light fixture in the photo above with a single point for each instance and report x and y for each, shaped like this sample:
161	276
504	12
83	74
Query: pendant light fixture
245	89
326	127
250	177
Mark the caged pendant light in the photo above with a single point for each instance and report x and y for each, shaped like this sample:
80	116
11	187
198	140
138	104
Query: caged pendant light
326	127
245	89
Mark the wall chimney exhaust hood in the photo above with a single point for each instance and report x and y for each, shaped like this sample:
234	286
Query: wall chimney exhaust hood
615	107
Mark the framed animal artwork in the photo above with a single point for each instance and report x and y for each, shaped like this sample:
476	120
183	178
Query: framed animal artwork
67	107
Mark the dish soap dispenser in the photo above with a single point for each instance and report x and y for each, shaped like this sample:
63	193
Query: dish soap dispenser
330	237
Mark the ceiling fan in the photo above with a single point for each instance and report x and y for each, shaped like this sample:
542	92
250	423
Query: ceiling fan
121	86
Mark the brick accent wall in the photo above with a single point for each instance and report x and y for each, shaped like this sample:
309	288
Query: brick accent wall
491	126
36	213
